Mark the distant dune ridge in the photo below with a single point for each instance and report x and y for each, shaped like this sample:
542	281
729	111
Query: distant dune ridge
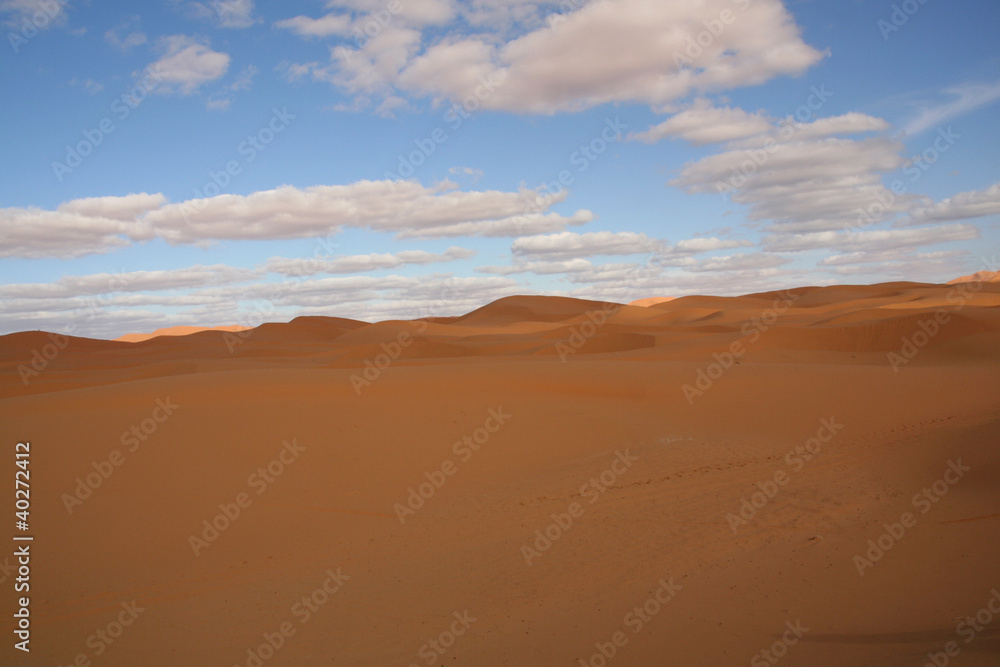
765	458
176	331
978	276
866	321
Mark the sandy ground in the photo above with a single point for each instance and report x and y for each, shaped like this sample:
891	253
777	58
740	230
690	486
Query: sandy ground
703	481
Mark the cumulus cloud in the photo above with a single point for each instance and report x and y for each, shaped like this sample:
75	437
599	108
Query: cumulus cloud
800	177
77	228
707	244
740	262
963	206
187	64
704	123
404	208
361	263
132	281
331	24
872	240
125	208
653	52
570	245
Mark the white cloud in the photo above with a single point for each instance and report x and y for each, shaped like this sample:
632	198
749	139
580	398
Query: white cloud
224	13
411	12
848	123
900	256
611	51
706	124
404	208
474	174
187	64
126	35
541	268
804	185
571	245
331	24
740	262
873	240
707	244
963	206
966	99
361	263
133	281
35	233
126	208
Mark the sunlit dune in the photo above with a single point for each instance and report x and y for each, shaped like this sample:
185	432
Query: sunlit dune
176	331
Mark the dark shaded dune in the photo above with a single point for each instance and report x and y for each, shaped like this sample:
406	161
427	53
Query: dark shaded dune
880	336
530	309
314	328
18	347
811	297
683	316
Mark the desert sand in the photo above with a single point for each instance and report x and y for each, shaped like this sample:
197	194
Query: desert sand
177	331
812	473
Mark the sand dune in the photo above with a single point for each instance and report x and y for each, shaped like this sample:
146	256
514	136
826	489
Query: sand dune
978	276
177	331
699	480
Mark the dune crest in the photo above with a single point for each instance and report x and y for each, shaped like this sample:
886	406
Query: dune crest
176	331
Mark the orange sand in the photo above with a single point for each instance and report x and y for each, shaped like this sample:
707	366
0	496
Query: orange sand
580	381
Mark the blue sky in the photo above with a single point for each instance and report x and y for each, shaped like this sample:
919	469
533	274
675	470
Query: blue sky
227	162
